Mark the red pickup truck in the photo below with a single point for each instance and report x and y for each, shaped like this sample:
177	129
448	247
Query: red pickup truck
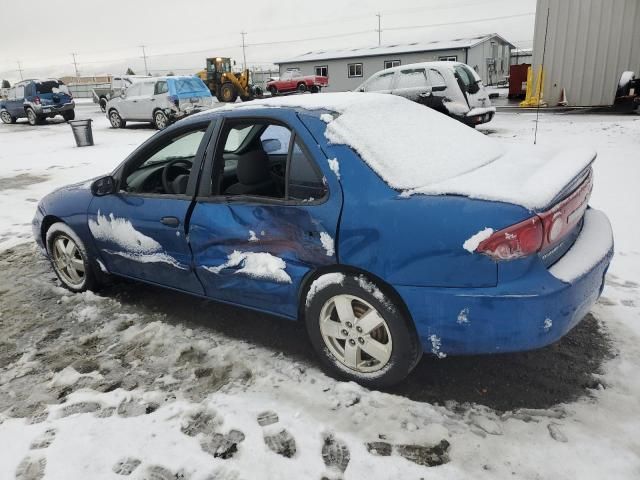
293	80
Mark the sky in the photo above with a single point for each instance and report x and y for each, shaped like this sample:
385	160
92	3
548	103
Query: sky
107	36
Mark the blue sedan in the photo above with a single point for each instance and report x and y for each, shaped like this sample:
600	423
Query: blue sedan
389	229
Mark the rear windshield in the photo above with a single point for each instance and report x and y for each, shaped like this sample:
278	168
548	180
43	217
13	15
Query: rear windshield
51	86
189	85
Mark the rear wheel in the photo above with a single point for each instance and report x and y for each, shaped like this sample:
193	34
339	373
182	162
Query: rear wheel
228	93
116	120
69	115
6	117
70	259
361	335
160	120
32	117
302	87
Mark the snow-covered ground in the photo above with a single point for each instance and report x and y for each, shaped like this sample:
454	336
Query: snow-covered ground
133	383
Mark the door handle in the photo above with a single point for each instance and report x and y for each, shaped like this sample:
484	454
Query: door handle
170	221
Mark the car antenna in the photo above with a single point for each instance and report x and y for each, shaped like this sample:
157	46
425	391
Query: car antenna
544	50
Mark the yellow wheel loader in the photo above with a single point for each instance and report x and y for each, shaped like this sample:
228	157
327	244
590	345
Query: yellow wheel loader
227	85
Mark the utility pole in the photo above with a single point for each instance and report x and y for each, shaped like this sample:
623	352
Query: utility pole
144	55
244	54
75	65
20	69
379	30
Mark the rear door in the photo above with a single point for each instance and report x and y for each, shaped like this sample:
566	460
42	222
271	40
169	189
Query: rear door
140	231
253	245
412	83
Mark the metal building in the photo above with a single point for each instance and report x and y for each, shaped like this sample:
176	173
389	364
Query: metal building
589	44
488	54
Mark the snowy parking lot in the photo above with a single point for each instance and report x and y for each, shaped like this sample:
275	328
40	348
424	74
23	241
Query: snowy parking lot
142	383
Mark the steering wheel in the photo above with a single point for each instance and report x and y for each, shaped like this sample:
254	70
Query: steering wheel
168	188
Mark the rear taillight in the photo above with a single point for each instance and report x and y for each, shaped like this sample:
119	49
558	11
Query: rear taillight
517	241
173	99
36	100
540	231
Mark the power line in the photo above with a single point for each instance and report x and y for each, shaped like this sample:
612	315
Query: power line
144	55
20	69
446	24
244	54
379	28
75	65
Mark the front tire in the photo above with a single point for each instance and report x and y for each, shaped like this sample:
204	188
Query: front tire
116	120
228	93
70	260
6	117
302	88
160	120
359	334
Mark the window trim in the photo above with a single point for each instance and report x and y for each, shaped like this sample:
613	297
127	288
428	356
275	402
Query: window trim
448	58
209	168
384	64
326	67
349	65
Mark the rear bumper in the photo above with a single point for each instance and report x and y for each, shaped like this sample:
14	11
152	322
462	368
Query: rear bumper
54	109
524	314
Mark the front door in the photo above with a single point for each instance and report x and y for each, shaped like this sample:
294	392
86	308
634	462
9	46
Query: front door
269	216
140	230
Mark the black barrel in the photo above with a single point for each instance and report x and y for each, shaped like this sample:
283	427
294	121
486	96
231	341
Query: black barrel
82	132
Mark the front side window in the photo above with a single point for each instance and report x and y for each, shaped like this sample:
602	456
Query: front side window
391	63
172	160
379	82
354	70
322	71
412	78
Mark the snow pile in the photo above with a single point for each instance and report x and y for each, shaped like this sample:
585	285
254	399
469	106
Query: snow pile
400	140
527	176
260	265
327	243
322	282
121	232
334	165
471	244
593	244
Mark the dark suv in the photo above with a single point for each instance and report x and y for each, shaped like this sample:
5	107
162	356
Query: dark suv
37	100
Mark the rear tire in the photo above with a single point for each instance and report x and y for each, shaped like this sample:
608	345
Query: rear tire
302	88
116	120
343	343
160	120
32	118
6	117
228	93
70	259
69	115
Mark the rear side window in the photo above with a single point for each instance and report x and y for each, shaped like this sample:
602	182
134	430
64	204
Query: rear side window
146	89
47	87
412	78
189	85
437	80
305	181
161	87
381	82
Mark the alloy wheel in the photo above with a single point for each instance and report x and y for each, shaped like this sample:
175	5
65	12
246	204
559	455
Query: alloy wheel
355	333
115	119
68	261
161	121
5	116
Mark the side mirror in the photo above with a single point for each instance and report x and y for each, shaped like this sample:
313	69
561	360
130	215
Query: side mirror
271	145
103	186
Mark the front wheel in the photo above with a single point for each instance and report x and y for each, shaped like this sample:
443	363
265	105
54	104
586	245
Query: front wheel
302	88
69	115
70	259
160	120
315	89
6	117
228	93
359	333
116	120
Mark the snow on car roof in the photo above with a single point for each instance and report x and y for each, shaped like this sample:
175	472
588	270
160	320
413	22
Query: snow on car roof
407	145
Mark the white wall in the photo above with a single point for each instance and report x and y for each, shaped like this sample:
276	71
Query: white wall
589	44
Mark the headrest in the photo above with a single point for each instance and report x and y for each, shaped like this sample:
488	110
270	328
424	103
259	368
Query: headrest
253	168
179	184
